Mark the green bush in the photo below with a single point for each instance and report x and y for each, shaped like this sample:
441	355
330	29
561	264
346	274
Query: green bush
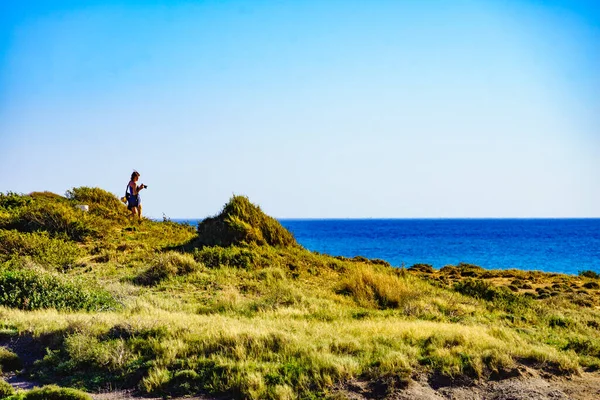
10	200
30	290
53	392
46	211
215	257
9	361
100	202
55	218
6	389
239	222
500	297
425	268
185	382
165	266
584	345
40	246
589	274
469	269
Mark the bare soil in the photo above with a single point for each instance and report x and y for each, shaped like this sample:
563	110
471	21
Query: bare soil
527	384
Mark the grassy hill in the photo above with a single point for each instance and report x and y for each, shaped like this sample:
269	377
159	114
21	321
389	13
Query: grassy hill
237	307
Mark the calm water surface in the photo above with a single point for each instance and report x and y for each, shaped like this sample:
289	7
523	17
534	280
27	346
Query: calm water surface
553	245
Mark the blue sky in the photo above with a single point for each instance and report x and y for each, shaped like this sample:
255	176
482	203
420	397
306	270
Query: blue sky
311	108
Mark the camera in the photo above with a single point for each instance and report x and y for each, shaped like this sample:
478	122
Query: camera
145	186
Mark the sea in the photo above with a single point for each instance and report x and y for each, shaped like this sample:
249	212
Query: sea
551	245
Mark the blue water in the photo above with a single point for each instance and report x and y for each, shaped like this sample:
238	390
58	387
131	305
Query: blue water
552	245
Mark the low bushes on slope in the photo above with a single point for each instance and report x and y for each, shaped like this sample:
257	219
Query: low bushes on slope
165	266
498	296
100	202
31	290
55	218
239	222
11	200
55	214
40	246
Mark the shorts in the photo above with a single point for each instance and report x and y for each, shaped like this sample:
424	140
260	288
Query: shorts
134	201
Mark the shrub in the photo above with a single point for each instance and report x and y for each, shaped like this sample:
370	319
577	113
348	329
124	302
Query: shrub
165	266
214	257
500	297
591	285
6	389
449	270
55	218
378	261
425	268
53	392
589	274
42	248
584	345
9	361
185	382
101	202
469	269
30	290
10	200
240	221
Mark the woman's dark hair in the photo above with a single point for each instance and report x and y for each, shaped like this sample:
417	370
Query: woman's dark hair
134	174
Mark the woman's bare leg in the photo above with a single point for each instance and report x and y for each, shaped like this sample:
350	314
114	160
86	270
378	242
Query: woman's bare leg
139	211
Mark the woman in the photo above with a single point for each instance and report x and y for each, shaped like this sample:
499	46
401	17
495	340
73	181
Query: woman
134	201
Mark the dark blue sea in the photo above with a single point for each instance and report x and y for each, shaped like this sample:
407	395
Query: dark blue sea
552	245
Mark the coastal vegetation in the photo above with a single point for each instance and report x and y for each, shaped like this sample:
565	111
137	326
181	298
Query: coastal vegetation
236	307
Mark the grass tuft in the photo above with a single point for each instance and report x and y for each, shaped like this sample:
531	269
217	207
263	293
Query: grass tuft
9	361
239	222
51	392
370	287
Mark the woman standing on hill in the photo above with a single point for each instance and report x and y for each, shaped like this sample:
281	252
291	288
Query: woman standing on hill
134	201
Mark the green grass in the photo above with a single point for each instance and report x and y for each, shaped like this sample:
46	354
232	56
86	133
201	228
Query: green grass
258	317
50	392
6	389
240	221
49	251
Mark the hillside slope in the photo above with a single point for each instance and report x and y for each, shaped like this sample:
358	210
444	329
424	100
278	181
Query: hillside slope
237	308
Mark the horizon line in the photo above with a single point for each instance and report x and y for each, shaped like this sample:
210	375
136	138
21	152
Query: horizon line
401	218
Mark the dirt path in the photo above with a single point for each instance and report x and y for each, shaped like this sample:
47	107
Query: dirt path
128	395
585	387
528	385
